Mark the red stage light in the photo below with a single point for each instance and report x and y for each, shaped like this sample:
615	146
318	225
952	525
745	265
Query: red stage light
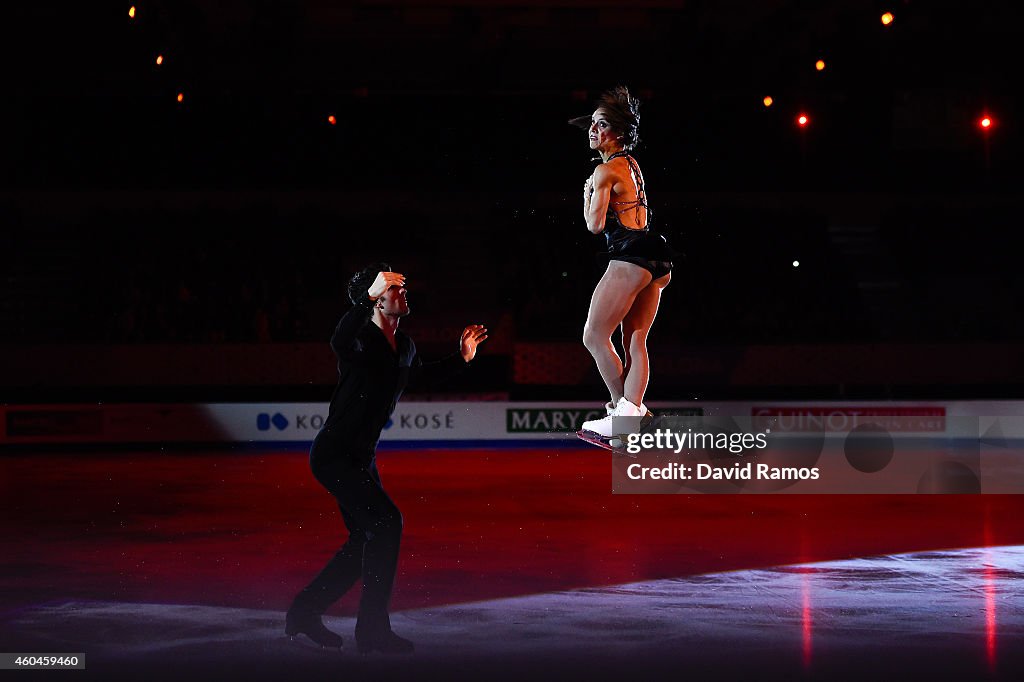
887	18
331	119
820	65
768	101
802	120
159	59
131	12
181	97
985	122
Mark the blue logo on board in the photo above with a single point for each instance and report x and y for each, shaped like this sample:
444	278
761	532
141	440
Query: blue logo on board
264	421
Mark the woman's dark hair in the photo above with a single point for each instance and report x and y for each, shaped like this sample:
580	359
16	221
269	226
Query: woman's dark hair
361	281
622	110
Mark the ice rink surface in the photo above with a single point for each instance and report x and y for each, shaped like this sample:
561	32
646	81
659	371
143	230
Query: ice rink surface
956	614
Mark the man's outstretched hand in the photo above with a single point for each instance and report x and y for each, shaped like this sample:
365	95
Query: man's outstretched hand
472	336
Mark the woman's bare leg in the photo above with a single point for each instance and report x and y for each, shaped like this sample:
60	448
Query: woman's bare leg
635	328
613	297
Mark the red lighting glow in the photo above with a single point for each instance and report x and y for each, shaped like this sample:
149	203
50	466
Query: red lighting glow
332	120
131	12
991	626
802	120
991	590
181	97
887	18
768	101
806	618
820	65
985	122
159	59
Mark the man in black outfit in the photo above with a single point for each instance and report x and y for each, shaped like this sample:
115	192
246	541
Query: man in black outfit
375	363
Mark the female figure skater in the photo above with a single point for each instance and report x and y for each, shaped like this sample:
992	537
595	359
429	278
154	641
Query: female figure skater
640	260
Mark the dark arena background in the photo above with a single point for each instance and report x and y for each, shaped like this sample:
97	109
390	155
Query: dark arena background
186	187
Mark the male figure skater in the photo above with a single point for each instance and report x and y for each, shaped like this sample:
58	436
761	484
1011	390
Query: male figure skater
375	362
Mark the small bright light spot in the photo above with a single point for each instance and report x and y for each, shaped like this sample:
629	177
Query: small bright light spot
181	97
887	18
131	12
159	59
768	101
796	264
986	122
331	119
802	119
820	65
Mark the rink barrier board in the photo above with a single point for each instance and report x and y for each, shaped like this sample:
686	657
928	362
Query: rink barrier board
489	422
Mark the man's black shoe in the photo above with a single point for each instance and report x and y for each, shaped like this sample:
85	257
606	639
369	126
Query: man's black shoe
388	643
299	623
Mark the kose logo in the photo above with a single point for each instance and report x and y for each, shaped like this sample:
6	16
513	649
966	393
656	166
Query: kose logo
264	420
433	421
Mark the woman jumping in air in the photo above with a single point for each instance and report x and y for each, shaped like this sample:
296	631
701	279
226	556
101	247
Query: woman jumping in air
639	260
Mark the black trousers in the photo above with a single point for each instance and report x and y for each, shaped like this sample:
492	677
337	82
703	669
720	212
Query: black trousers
371	551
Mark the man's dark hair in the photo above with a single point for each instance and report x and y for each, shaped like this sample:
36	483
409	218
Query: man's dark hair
361	281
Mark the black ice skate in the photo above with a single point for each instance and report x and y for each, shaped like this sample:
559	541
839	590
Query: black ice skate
297	623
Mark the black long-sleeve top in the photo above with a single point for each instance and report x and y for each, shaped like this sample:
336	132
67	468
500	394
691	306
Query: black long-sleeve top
371	379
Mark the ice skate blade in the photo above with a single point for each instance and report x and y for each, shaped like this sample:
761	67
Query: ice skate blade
614	444
328	642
